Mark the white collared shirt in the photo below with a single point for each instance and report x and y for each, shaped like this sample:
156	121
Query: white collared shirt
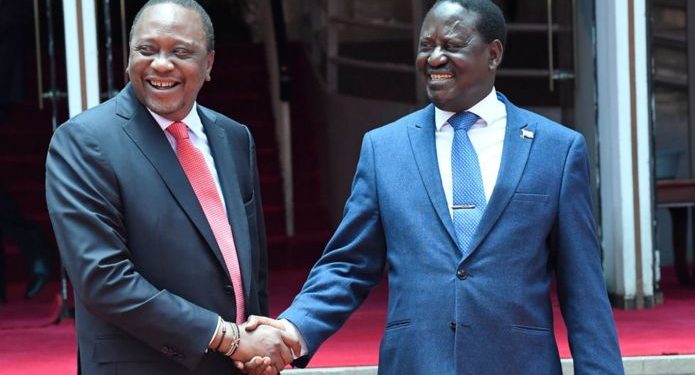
486	135
198	138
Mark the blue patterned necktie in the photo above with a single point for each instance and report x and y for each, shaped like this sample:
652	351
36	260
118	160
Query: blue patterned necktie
468	195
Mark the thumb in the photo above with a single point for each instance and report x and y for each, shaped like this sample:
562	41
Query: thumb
255	321
292	342
252	323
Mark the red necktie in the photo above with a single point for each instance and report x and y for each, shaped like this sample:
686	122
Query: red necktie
205	189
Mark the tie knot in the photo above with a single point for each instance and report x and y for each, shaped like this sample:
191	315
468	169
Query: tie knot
463	120
179	130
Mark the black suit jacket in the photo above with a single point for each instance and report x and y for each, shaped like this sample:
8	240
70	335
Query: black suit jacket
148	276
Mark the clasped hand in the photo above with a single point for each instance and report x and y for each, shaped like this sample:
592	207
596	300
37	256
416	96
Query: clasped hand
265	347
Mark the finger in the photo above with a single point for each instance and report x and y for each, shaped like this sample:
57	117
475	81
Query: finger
239	365
261	365
281	358
285	354
292	342
252	323
256	366
269	369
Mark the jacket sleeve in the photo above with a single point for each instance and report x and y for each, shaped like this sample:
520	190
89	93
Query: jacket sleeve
352	263
87	216
580	284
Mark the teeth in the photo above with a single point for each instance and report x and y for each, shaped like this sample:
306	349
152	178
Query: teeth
437	76
162	85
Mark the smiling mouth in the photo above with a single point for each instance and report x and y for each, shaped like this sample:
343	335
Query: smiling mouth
161	85
441	76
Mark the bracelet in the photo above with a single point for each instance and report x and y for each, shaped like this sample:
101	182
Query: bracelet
224	331
237	340
234	344
228	349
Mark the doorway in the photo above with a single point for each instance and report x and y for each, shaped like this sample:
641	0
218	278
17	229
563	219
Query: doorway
672	48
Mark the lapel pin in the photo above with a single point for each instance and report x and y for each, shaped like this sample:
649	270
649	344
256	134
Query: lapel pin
527	134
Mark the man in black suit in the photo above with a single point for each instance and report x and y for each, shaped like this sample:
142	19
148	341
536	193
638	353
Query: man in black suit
164	258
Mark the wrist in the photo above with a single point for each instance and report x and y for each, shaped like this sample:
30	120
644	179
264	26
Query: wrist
233	341
227	339
217	337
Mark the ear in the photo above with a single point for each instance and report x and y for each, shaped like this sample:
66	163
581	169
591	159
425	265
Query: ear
495	52
210	62
127	71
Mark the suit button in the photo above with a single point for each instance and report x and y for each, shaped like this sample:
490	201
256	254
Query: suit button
452	325
228	289
462	274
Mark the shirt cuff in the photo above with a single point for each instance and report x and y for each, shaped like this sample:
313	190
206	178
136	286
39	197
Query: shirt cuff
214	333
294	331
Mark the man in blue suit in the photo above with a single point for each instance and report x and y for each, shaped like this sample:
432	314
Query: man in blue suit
471	297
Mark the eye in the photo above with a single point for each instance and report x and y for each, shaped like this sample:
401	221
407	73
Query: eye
454	46
146	50
183	53
425	45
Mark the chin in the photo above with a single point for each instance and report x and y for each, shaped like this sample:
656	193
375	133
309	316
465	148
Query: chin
442	104
440	99
162	109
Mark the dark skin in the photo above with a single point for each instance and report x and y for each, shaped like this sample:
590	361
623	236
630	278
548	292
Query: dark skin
169	59
168	65
459	68
456	62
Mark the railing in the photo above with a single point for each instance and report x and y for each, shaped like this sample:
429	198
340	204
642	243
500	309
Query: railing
325	20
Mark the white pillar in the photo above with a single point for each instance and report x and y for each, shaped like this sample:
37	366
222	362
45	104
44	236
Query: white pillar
81	54
625	173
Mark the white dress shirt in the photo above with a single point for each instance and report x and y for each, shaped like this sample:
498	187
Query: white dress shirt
198	138
486	135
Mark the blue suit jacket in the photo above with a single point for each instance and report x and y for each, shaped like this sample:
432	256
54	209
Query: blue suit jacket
148	275
488	311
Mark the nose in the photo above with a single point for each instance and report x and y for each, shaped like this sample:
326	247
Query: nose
161	63
436	58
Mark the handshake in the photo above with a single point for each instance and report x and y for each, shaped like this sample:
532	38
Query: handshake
260	346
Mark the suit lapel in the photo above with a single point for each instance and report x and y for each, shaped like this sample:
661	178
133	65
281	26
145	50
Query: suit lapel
227	171
149	138
422	141
514	156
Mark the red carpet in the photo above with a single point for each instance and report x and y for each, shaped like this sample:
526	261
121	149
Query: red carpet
42	310
20	353
667	329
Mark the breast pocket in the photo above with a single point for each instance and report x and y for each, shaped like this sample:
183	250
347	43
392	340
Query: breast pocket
530	197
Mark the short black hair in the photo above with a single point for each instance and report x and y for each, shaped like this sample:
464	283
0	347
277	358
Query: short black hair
188	4
491	24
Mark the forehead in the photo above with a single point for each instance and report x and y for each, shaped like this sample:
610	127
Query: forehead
169	20
448	19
